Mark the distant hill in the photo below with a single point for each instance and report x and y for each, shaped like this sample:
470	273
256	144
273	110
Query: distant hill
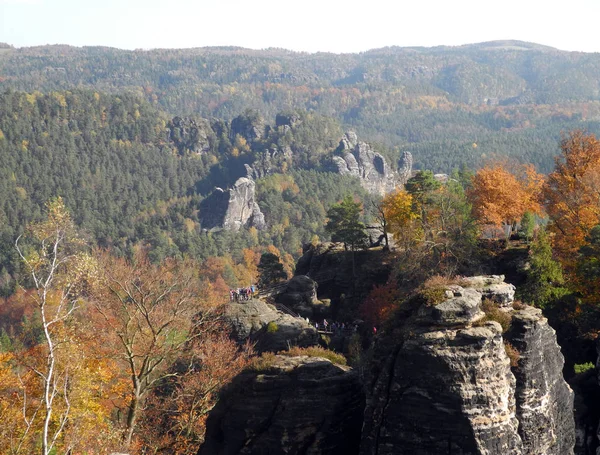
447	105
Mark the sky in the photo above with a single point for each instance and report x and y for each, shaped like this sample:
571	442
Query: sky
304	25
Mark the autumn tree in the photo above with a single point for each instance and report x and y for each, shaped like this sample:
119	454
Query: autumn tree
59	270
175	416
500	196
400	219
380	303
150	313
571	194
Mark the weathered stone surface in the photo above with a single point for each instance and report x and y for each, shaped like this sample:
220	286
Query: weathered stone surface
299	406
250	126
250	321
444	392
461	308
300	295
405	167
268	162
190	135
494	288
544	400
443	385
233	208
359	159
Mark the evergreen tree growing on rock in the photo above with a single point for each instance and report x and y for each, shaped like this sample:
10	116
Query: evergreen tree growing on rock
344	224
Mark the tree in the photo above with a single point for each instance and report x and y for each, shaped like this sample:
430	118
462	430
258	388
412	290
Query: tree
588	266
396	209
544	276
344	224
527	225
59	270
571	195
501	197
150	312
175	418
270	270
380	303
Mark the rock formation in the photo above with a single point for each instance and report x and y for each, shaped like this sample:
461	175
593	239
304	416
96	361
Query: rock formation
190	135
376	176
233	208
271	330
250	126
544	401
300	294
268	162
296	406
446	386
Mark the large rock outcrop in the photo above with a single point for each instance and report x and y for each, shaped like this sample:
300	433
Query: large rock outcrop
376	176
190	135
544	401
300	294
233	208
269	329
296	406
443	382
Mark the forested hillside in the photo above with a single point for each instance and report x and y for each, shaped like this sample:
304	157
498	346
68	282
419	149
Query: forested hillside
447	105
131	175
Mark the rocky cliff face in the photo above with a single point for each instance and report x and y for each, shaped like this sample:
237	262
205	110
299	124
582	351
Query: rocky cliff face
190	135
444	383
269	329
296	406
376	176
232	208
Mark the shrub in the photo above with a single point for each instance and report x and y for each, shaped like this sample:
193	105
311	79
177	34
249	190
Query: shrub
272	327
493	313
512	354
434	288
315	351
583	367
262	363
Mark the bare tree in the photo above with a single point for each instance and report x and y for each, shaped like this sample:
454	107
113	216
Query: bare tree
151	313
56	266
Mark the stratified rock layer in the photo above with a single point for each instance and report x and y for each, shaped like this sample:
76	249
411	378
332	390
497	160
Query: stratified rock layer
544	400
231	209
443	383
249	321
358	159
299	405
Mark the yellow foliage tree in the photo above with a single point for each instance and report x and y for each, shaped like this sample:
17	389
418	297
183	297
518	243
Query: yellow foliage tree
572	193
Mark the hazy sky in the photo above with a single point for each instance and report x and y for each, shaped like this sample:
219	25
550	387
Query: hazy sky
305	25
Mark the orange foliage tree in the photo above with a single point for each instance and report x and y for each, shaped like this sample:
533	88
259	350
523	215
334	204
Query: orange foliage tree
380	303
501	196
572	194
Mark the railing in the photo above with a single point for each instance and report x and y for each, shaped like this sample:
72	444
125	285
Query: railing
286	310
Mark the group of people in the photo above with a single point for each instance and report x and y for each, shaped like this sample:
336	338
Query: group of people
335	327
242	294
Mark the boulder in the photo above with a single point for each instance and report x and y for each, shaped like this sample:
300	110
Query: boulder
271	330
462	308
494	288
295	406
